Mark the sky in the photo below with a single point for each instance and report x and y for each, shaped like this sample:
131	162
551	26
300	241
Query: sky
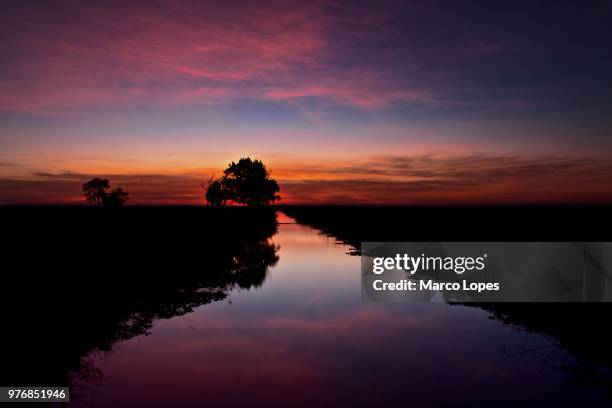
385	102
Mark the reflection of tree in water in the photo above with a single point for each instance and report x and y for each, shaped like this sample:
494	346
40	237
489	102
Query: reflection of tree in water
250	265
93	277
247	267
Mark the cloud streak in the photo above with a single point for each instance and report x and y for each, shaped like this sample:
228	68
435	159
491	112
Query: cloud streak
460	179
80	56
476	178
65	188
175	53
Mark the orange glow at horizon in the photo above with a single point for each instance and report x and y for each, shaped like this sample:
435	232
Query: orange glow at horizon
468	178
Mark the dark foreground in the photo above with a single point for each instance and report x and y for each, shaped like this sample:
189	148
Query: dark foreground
81	280
77	279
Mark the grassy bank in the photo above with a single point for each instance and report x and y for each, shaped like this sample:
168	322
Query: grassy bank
353	225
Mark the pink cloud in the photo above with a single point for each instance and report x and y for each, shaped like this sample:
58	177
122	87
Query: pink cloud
174	54
106	57
354	93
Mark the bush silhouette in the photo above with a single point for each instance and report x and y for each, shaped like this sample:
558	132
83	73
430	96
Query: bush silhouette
95	193
247	182
115	198
215	195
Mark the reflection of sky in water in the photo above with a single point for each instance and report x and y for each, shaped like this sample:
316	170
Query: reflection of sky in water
306	338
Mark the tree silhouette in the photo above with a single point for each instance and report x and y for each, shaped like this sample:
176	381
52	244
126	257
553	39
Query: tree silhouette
95	193
248	182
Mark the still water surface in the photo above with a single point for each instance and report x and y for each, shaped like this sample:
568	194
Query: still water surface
305	337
